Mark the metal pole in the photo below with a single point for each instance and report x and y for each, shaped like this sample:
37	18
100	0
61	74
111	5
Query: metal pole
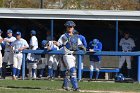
23	66
52	28
79	66
117	32
138	69
41	3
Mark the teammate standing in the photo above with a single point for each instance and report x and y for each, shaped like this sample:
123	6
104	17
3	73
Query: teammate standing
32	64
18	46
52	59
1	40
127	44
70	42
95	46
8	54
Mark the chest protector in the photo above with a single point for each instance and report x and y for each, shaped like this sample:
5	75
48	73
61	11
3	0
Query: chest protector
71	42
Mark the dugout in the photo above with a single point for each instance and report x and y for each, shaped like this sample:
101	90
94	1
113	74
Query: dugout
107	25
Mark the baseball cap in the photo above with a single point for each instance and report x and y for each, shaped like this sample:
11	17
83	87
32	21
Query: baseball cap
9	31
95	41
18	33
33	32
44	42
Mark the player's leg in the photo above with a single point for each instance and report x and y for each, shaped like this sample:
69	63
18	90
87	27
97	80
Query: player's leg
11	60
71	61
55	66
4	64
15	65
50	69
34	67
73	78
97	67
128	61
0	63
19	59
91	69
41	68
121	62
66	82
62	68
29	65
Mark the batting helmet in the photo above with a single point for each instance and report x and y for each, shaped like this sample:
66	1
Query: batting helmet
120	77
70	23
33	32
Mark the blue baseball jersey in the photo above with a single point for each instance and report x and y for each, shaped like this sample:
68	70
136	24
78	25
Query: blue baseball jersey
83	39
96	47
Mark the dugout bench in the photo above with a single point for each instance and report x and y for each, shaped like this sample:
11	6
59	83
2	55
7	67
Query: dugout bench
108	65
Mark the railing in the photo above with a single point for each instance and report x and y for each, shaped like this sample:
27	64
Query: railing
79	54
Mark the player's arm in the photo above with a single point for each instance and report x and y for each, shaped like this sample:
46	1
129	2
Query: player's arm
120	43
84	41
1	40
9	40
25	46
99	47
33	41
90	47
80	45
60	41
133	45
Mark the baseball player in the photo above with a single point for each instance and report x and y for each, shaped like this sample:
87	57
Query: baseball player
94	46
32	62
43	61
127	44
84	42
8	54
18	45
70	43
1	41
52	60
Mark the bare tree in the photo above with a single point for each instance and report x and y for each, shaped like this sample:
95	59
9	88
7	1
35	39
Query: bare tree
75	4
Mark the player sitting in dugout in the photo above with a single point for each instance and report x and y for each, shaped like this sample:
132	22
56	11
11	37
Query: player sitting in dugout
94	46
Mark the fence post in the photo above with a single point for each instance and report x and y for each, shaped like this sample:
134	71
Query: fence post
52	28
138	69
79	66
23	66
117	32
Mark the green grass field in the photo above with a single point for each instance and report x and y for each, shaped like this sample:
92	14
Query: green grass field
44	86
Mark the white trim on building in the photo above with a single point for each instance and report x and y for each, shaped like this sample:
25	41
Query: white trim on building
23	13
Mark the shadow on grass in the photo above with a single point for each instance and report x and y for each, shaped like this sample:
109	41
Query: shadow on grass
37	88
